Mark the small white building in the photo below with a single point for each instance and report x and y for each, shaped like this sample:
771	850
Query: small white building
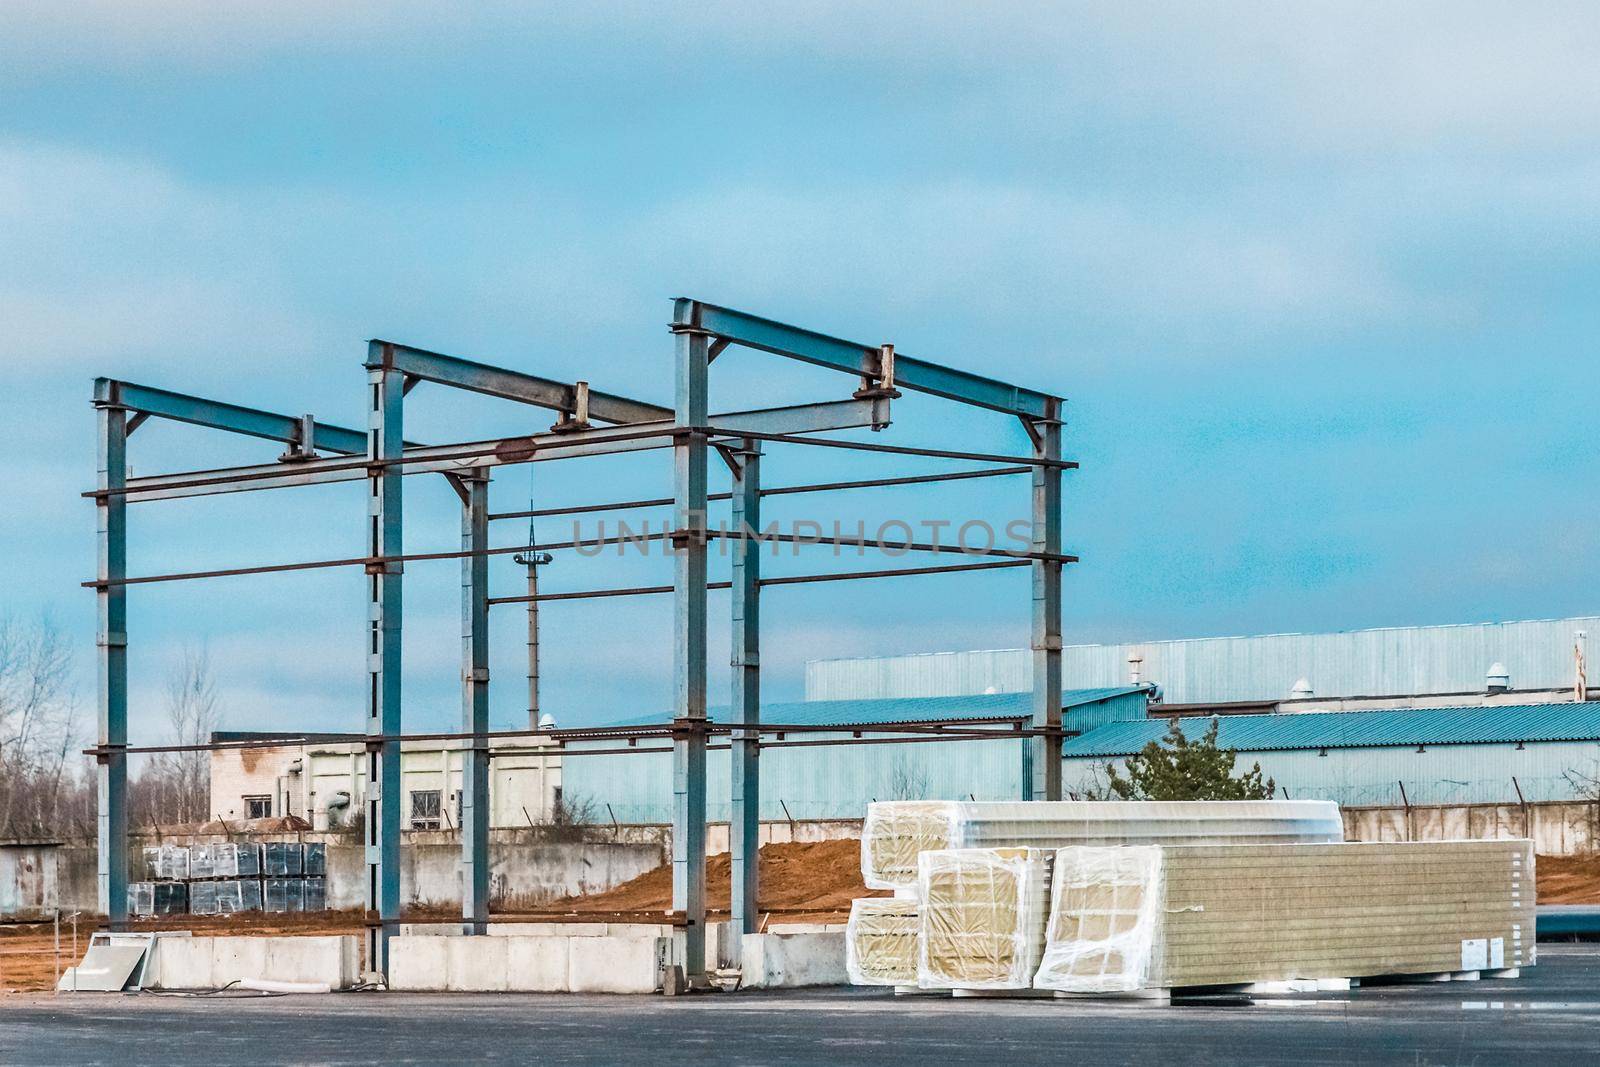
322	778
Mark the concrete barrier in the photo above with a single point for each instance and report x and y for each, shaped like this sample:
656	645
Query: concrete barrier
213	962
543	962
791	960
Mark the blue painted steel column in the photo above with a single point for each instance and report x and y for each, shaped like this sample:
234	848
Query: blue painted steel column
475	703
385	424
744	822
111	641
1044	753
689	642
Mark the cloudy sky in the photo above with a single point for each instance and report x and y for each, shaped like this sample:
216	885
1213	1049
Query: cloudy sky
1318	281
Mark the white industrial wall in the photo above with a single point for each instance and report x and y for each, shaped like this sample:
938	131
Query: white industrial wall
1445	774
1395	661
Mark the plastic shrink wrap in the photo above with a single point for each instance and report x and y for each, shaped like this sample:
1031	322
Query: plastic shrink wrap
1105	905
880	941
895	832
981	917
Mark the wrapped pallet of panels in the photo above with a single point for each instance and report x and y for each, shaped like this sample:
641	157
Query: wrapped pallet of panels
203	898
880	941
232	859
282	859
1185	915
316	894
283	894
981	917
316	856
895	832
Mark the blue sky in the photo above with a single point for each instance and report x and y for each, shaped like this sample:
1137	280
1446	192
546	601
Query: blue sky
1318	281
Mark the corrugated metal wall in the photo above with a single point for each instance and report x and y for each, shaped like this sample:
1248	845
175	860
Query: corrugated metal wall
1446	774
1399	661
822	782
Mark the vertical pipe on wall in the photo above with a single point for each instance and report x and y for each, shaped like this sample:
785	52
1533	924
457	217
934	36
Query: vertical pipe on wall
1044	760
475	703
384	443
744	822
111	646
689	640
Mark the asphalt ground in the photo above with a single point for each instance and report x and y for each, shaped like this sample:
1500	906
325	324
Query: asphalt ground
1550	1015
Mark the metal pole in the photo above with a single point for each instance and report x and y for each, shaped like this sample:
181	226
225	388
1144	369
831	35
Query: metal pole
689	641
385	420
1045	752
533	644
475	703
111	642
744	820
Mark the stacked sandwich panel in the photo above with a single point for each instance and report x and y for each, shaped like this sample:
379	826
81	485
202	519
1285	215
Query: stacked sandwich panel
895	833
880	941
1124	919
981	917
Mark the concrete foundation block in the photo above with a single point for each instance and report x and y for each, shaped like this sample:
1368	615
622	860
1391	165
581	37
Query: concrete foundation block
417	963
538	964
617	964
475	964
183	963
233	958
788	961
334	959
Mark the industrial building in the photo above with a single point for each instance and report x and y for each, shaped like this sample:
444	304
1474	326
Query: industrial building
807	774
322	778
1469	755
1409	666
1484	713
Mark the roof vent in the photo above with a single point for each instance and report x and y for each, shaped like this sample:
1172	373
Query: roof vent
1498	680
1135	662
1301	690
547	721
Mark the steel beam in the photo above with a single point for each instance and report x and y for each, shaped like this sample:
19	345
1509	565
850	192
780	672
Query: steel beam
111	641
233	418
475	705
752	331
689	646
1043	781
386	420
744	823
514	385
458	458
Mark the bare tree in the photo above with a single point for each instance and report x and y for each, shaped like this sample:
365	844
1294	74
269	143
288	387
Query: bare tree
175	787
908	779
41	791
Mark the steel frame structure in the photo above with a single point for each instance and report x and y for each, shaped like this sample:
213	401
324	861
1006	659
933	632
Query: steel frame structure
381	457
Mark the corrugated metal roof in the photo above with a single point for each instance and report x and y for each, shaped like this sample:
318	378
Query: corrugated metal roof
1391	661
902	709
1360	729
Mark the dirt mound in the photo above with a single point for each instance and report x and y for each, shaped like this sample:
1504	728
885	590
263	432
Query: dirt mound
1568	879
814	879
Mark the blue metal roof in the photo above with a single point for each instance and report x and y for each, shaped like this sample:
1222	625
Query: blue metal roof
1358	729
902	709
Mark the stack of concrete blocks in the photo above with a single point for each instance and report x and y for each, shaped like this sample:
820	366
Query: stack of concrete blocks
163	889
225	877
1155	918
536	957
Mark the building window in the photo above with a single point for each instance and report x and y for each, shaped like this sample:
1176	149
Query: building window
257	807
425	809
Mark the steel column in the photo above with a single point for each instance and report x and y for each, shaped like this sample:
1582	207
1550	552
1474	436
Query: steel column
111	642
385	422
1043	764
689	644
744	823
475	704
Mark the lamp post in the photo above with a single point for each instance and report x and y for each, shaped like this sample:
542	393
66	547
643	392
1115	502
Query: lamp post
533	561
